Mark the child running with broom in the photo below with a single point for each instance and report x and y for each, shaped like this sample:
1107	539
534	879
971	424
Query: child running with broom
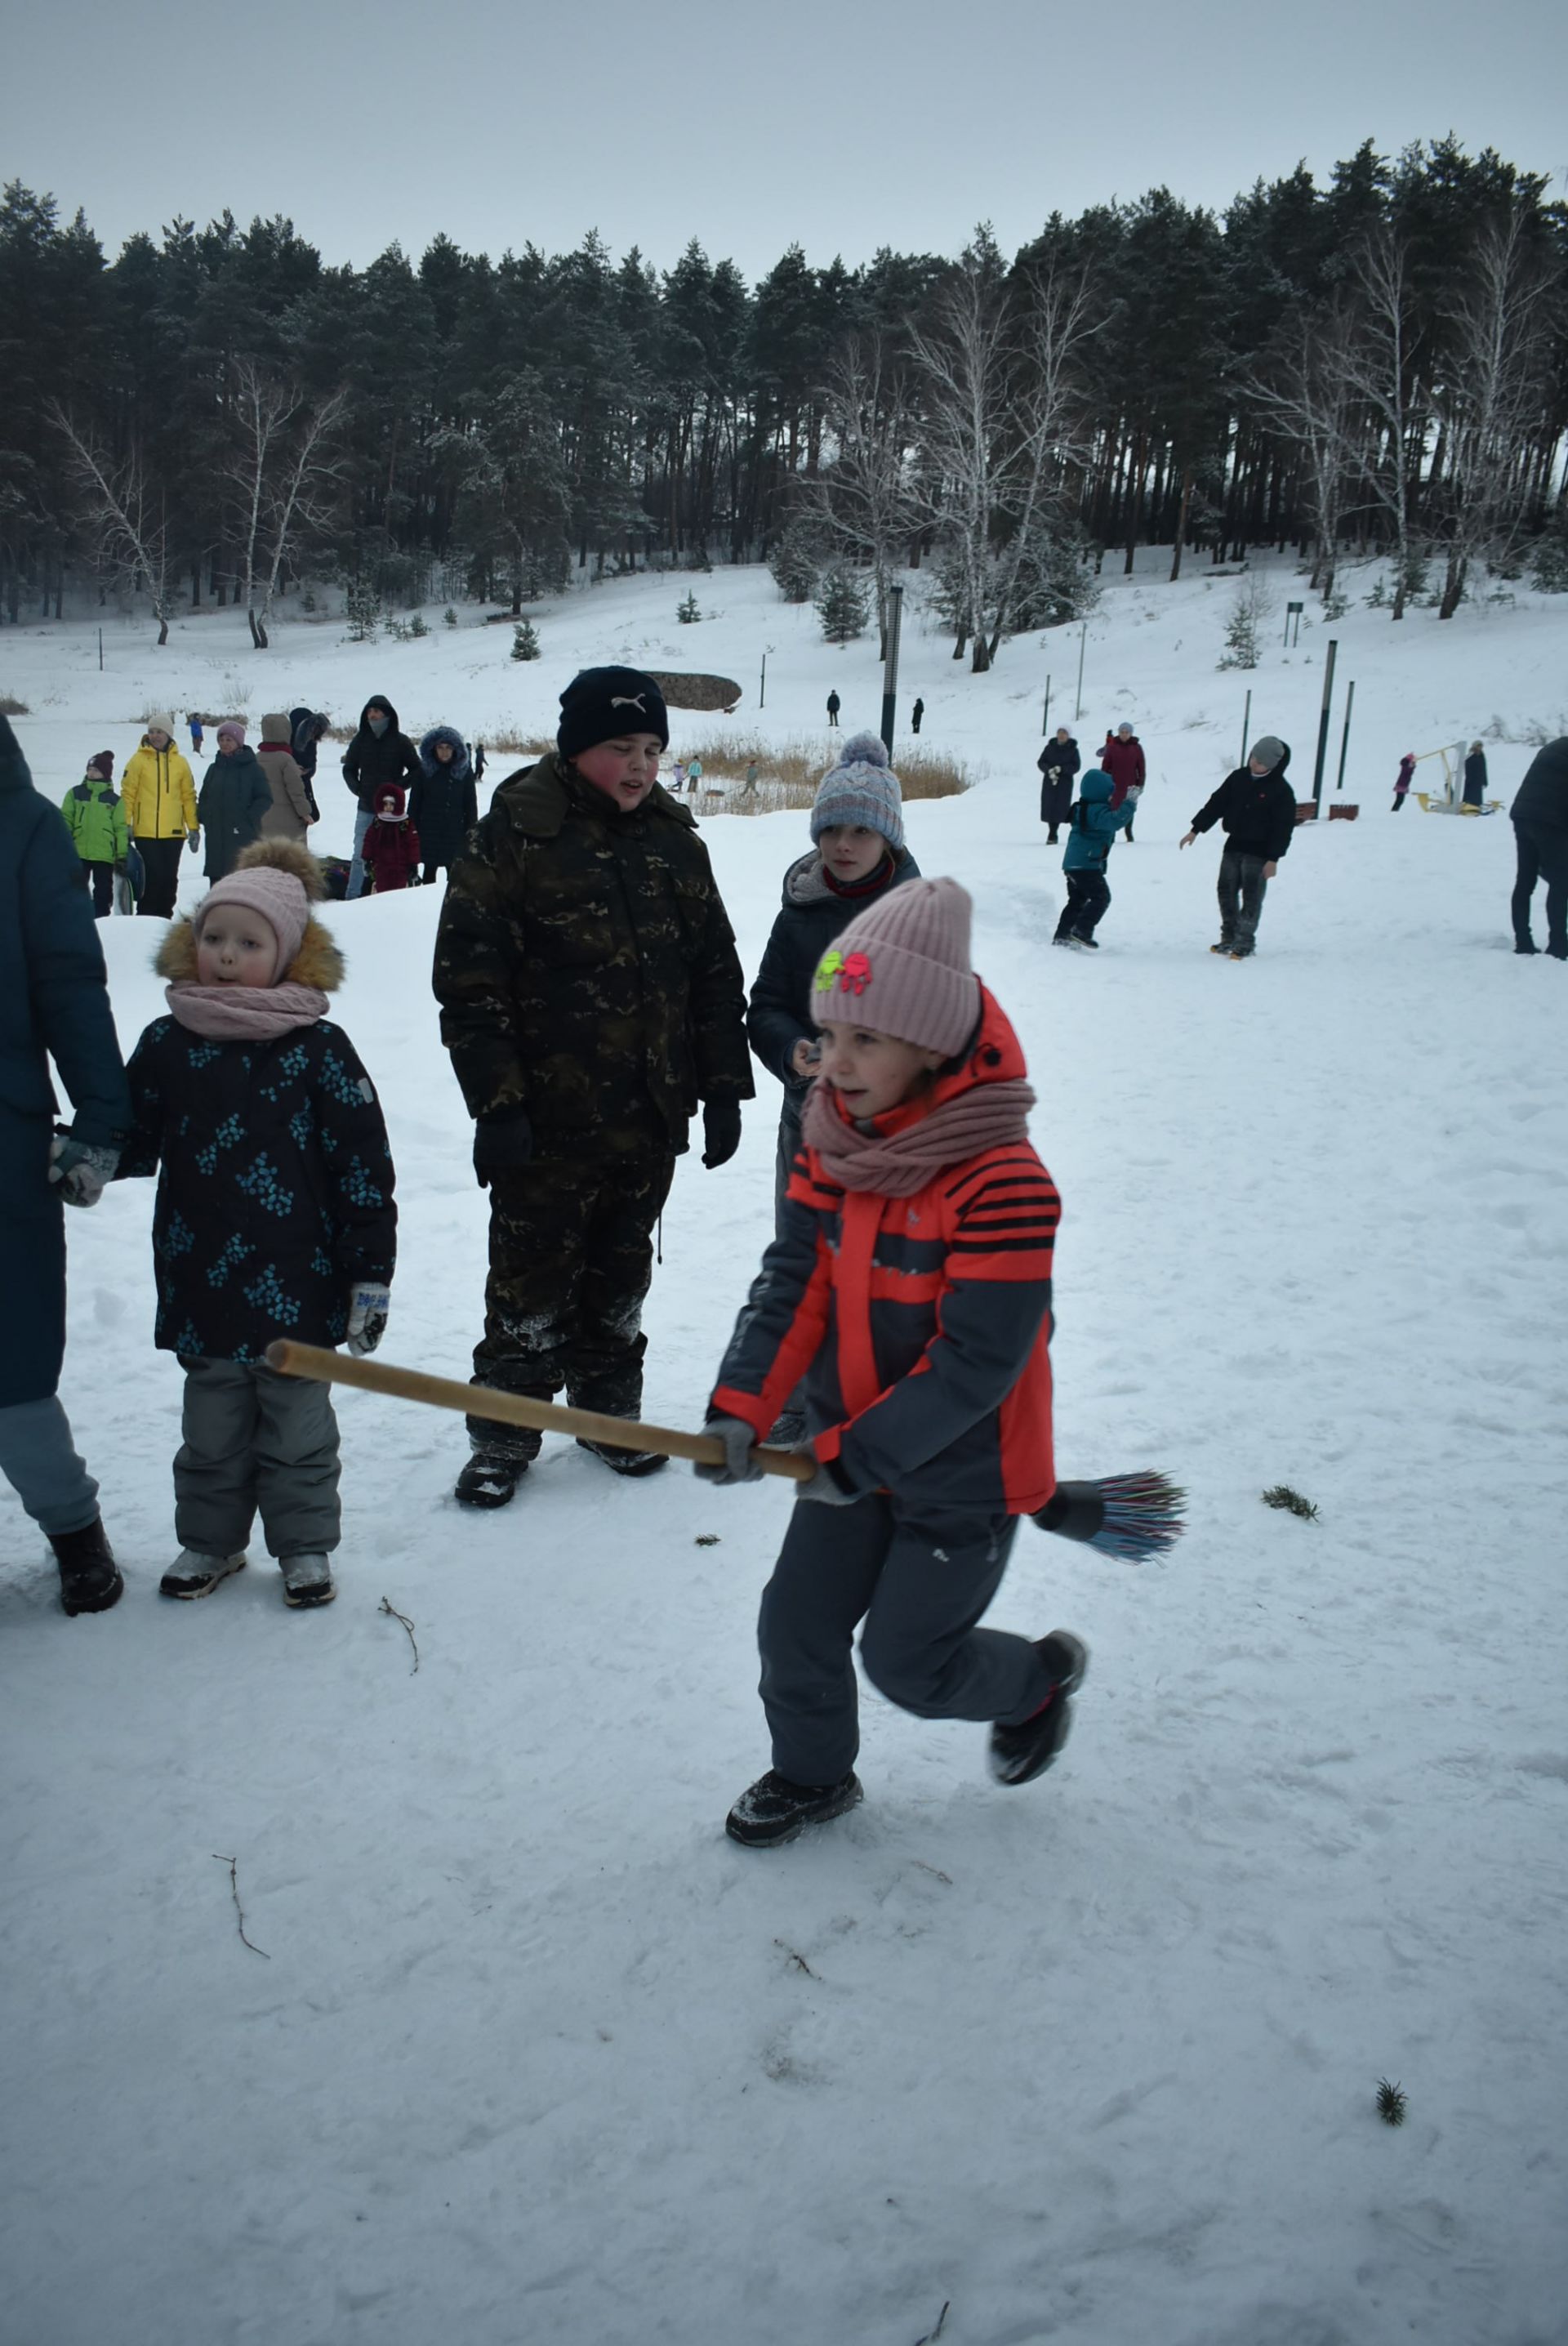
910	1285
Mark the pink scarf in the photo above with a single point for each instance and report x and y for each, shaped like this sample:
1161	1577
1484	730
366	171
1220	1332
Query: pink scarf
899	1163
245	1013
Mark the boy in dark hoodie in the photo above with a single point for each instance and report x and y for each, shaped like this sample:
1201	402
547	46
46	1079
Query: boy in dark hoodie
1257	806
377	755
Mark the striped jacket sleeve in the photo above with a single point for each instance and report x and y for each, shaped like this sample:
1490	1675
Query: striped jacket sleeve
996	1301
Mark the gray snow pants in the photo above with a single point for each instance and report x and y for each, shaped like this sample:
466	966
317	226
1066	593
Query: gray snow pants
919	1578
255	1440
1242	888
39	1459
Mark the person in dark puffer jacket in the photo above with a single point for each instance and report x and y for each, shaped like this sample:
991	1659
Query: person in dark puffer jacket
443	805
54	1004
274	1215
1258	807
377	755
235	800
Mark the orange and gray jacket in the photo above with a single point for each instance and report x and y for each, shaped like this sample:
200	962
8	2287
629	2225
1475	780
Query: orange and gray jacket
921	1325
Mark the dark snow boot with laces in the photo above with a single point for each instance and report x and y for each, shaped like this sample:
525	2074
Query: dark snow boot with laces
90	1577
773	1810
625	1462
1019	1753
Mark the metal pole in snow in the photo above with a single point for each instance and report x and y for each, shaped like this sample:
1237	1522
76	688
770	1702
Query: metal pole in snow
762	691
891	674
1245	726
1345	736
1323	723
100	651
1078	702
1045	717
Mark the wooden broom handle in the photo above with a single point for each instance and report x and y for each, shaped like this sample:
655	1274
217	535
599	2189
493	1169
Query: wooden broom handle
515	1409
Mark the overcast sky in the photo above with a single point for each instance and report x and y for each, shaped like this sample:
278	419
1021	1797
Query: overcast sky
841	124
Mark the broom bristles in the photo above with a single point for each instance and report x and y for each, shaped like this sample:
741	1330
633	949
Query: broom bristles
1135	1517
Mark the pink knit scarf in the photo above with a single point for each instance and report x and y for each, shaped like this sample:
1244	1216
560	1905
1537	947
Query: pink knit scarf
899	1163
245	1013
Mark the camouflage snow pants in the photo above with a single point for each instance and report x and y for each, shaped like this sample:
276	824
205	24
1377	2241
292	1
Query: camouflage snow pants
571	1258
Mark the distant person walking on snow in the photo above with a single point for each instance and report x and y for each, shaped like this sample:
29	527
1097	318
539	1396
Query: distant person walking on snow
916	714
1092	824
1257	808
236	799
1540	816
1404	778
1475	776
159	797
95	818
1058	763
1123	759
833	708
693	776
194	723
443	805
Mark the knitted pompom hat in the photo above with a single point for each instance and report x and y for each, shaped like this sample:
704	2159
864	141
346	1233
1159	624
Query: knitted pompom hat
902	968
280	879
862	788
102	763
231	728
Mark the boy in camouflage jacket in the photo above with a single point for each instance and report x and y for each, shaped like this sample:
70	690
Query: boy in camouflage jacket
591	998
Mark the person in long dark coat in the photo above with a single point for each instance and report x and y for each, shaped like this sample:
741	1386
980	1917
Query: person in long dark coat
54	1003
443	804
1475	776
235	800
1058	762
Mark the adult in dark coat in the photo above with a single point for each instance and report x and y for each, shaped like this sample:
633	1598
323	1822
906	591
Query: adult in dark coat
833	706
1122	758
234	800
443	805
307	730
1540	815
1475	776
591	997
54	1003
377	755
917	715
1257	806
1058	762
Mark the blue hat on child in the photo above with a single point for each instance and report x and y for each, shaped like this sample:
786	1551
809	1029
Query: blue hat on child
862	788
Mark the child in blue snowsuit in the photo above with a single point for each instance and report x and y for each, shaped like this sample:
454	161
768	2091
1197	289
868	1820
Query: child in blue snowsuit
1092	825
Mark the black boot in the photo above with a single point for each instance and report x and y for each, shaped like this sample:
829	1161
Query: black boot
489	1479
90	1577
625	1462
1019	1753
773	1810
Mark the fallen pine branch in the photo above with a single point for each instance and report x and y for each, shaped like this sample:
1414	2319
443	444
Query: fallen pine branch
386	1605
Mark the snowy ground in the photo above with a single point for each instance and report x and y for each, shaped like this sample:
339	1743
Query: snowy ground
533	2053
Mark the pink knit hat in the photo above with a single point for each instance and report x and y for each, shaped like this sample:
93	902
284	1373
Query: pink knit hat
902	968
231	725
278	896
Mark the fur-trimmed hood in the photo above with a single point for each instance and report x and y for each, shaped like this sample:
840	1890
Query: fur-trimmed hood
318	963
460	766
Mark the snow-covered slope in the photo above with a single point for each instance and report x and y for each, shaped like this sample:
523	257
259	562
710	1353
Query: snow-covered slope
533	2053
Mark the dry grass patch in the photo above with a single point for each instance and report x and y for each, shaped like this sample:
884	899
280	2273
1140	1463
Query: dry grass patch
787	772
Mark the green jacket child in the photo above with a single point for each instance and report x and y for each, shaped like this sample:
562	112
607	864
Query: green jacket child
95	813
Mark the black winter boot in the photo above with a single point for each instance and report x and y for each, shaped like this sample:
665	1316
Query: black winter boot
625	1462
489	1479
1021	1752
90	1577
773	1810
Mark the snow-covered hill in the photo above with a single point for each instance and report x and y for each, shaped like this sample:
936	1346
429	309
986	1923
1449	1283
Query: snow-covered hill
533	2053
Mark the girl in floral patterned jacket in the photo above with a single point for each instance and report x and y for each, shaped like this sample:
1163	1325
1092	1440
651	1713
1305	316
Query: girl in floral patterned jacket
274	1215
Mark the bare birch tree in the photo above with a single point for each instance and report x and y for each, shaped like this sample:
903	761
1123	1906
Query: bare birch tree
1377	367
1492	400
863	499
999	396
1306	401
124	517
283	464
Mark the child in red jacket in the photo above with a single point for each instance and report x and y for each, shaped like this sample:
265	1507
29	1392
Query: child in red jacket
910	1285
391	850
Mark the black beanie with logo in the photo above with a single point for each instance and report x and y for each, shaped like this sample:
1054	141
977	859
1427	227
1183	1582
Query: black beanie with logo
602	703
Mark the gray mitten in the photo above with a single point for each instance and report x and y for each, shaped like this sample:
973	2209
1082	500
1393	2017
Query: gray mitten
82	1171
740	1445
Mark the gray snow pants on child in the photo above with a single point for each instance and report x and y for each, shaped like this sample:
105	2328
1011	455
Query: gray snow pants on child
255	1440
919	1578
1242	888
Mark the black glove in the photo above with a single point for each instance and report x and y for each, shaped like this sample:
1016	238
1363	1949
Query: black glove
502	1144
720	1131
